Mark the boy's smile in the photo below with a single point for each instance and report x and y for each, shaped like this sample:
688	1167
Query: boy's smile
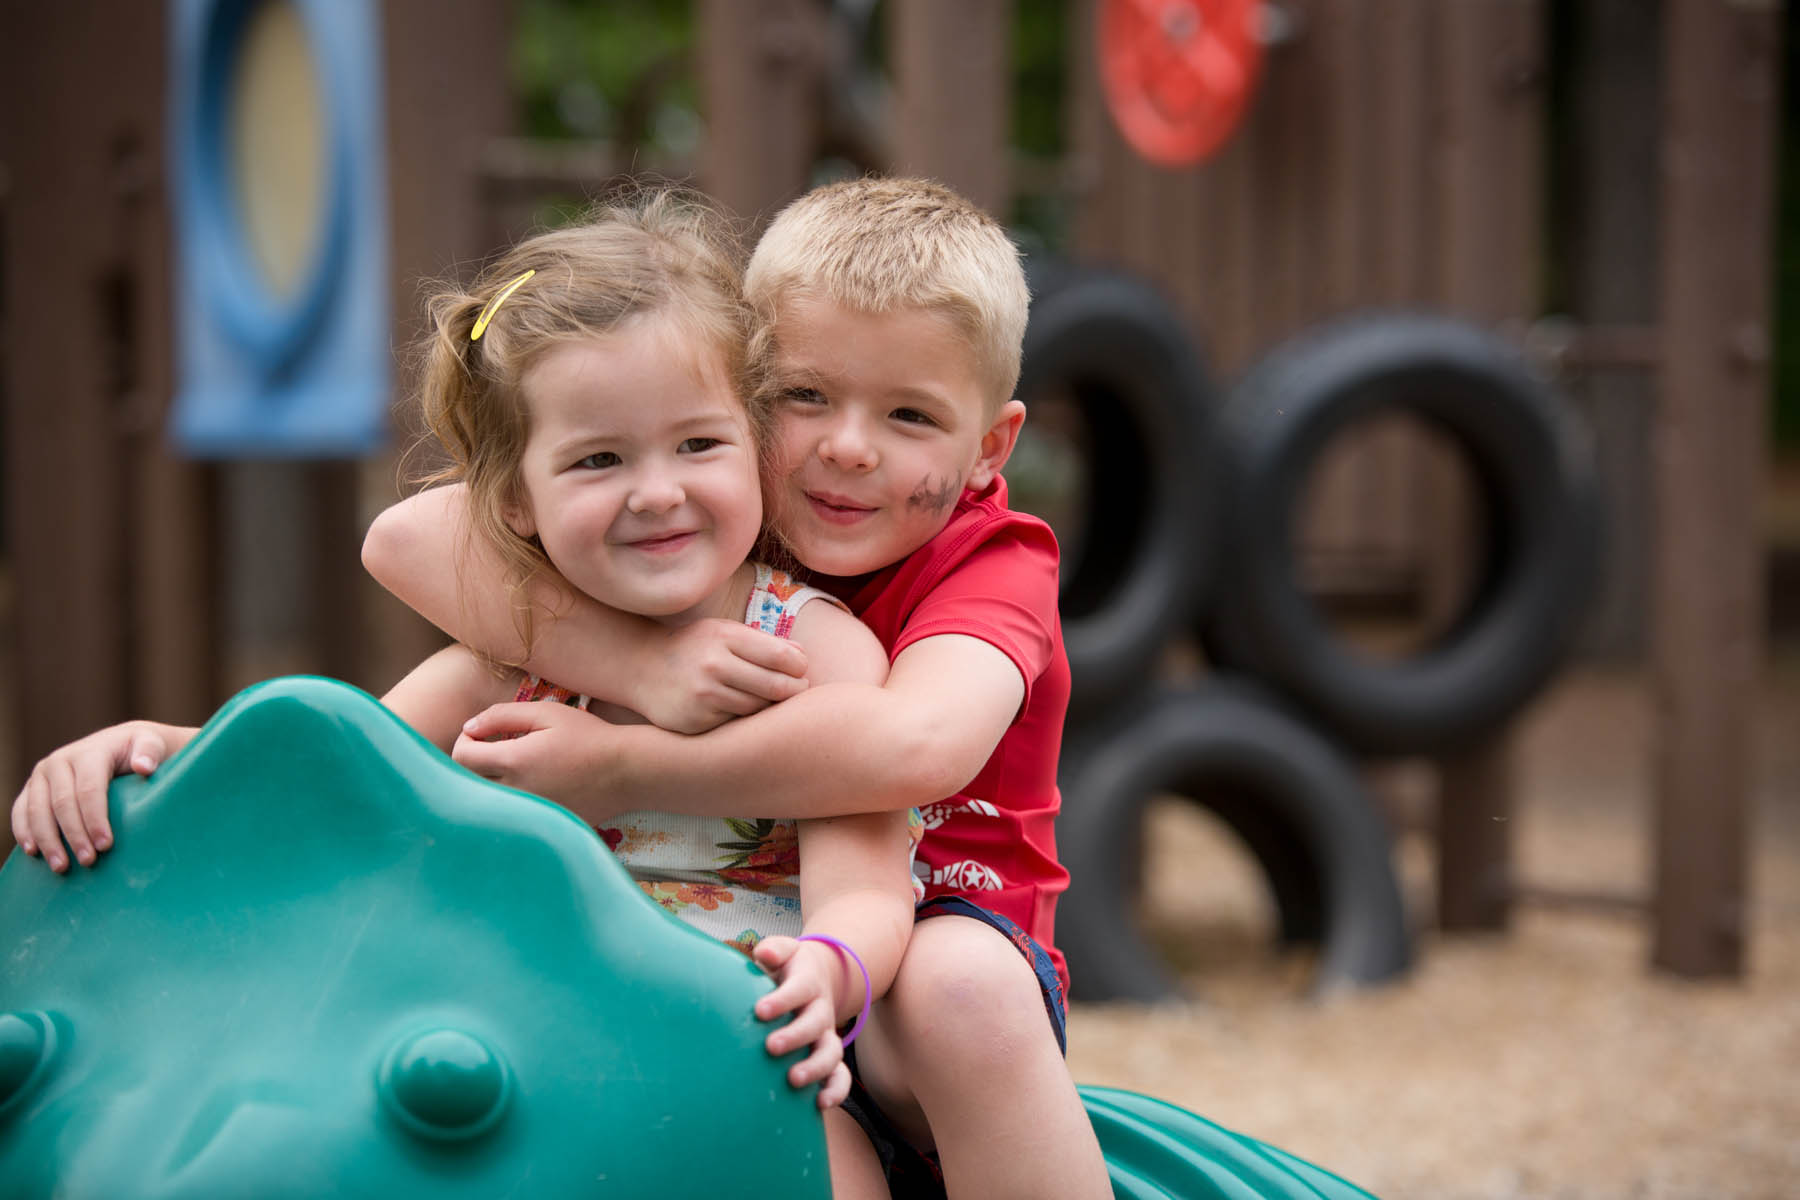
881	424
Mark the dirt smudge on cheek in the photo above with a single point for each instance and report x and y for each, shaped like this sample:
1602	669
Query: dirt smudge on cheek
932	497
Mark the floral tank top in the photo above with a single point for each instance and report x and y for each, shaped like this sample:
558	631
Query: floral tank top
736	879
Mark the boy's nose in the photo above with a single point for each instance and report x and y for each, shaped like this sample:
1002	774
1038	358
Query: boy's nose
846	445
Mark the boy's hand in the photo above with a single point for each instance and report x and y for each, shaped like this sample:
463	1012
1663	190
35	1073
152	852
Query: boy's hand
714	670
804	972
65	797
550	750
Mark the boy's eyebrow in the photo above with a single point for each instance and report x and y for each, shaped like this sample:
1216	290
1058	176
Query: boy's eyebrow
786	371
919	392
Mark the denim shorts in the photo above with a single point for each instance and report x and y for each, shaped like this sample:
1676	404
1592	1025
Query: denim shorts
914	1174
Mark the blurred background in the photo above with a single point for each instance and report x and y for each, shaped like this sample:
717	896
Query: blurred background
1530	936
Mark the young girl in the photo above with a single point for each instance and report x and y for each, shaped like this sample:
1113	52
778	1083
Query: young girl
590	392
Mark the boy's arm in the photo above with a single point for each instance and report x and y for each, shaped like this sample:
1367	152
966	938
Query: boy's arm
687	680
832	750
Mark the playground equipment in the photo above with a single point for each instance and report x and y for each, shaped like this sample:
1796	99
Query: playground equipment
324	960
1538	558
1144	547
1191	521
1179	73
281	254
1289	795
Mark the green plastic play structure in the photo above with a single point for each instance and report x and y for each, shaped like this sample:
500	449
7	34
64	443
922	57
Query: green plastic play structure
325	960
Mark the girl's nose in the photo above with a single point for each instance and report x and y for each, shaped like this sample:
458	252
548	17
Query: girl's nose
654	491
846	445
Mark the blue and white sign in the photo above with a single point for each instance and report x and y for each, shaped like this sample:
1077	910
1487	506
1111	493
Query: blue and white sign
277	149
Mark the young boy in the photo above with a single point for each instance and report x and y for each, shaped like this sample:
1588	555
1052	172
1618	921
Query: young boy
893	314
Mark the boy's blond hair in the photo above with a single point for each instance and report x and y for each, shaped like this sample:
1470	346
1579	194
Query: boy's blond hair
878	245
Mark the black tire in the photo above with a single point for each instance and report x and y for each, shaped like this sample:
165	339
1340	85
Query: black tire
1533	470
1147	409
1295	800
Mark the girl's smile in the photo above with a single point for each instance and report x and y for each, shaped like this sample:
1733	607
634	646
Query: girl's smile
639	474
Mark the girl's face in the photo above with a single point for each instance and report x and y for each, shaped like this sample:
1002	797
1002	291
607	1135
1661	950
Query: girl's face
640	475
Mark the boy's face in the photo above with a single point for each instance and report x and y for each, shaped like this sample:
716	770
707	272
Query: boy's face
880	426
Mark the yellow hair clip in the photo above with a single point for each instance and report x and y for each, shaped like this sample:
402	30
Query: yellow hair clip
493	306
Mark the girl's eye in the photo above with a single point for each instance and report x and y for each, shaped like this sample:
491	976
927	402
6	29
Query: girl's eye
696	445
803	395
599	461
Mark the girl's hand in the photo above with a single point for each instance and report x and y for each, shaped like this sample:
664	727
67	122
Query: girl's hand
715	670
805	975
65	797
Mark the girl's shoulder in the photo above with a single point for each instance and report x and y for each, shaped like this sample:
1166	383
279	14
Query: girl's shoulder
839	648
777	599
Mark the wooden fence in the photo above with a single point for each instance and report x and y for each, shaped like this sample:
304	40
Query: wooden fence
1394	156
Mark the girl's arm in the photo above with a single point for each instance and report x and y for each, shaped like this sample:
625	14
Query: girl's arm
65	797
442	692
686	680
855	886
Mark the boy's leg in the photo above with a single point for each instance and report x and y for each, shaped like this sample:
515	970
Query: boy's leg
961	1053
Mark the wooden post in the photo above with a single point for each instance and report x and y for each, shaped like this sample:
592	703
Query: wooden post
454	53
1475	838
105	527
1488	72
1611	248
951	80
761	63
1710	452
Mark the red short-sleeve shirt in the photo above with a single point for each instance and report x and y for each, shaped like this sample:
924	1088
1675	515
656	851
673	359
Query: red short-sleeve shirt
990	573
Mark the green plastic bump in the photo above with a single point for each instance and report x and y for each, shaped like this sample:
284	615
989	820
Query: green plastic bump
324	960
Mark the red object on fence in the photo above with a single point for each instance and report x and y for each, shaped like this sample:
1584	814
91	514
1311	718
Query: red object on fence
1178	73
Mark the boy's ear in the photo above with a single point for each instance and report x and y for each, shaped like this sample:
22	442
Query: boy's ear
997	444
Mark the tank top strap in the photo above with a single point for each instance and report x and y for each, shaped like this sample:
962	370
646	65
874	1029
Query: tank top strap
535	687
776	598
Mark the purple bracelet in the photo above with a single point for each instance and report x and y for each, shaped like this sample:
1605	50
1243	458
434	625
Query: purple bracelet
843	947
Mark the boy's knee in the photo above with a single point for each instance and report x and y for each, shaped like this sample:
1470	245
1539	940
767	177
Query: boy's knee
964	983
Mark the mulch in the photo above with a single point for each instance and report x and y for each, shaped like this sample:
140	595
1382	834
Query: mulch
1549	1061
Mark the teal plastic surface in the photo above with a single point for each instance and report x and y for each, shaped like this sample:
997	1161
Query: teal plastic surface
322	959
1155	1151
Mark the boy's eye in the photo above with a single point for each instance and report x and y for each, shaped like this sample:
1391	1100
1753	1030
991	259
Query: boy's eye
696	445
912	416
599	461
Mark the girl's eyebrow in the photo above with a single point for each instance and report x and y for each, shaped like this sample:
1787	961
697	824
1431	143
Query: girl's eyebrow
595	435
587	441
706	420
